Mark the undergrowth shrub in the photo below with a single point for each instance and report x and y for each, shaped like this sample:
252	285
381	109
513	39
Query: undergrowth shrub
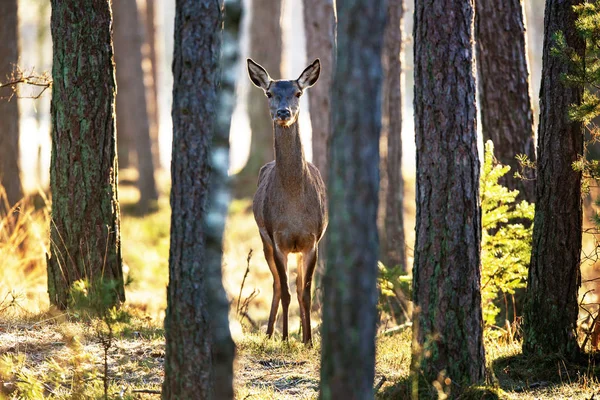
96	300
507	228
394	285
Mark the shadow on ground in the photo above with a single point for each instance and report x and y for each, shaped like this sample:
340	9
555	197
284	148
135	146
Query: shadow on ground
518	376
404	390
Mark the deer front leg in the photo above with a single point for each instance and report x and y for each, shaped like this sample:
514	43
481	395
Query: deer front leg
268	250
310	261
274	307
281	264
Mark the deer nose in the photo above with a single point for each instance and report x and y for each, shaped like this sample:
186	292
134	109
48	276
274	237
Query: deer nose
284	114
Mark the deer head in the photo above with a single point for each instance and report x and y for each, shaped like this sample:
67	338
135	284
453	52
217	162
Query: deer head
284	96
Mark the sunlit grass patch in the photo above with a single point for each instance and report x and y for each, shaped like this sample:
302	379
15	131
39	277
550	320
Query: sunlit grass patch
63	357
145	248
23	246
393	355
273	369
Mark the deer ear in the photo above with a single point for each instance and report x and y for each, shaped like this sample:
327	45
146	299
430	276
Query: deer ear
310	75
258	75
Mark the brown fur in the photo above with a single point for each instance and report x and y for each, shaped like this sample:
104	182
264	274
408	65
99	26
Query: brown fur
290	204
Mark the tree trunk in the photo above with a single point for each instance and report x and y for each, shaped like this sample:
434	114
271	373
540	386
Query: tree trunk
506	113
394	220
132	112
551	306
265	48
218	205
151	76
199	349
447	333
85	240
319	24
350	290
10	175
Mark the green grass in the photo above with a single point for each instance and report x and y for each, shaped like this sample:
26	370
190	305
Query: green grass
145	248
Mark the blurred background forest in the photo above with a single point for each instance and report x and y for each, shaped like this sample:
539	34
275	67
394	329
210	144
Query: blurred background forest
35	57
36	53
144	128
273	33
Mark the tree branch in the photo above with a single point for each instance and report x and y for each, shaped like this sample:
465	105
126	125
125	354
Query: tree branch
24	77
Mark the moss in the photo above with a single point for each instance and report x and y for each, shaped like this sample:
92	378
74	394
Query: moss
85	221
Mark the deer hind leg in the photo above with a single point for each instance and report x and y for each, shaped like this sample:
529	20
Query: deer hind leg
281	265
268	250
310	261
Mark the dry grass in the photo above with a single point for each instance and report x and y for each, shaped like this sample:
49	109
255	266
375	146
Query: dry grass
23	245
47	354
61	357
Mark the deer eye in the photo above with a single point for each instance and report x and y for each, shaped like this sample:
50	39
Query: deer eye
298	94
269	95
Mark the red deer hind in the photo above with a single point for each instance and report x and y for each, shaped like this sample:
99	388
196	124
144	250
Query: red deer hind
290	204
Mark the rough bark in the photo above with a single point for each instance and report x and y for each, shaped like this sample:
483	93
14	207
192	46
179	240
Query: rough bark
554	278
394	245
199	349
265	48
506	112
85	230
447	333
350	292
319	25
10	174
132	111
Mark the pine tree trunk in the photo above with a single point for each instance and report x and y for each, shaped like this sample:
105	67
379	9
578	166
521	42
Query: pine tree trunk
506	113
319	25
10	175
266	49
350	290
394	219
151	77
199	349
85	238
551	305
447	332
132	111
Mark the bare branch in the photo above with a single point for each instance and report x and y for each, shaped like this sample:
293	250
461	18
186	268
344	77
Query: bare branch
244	280
25	77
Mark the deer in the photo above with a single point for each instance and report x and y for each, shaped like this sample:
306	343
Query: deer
290	203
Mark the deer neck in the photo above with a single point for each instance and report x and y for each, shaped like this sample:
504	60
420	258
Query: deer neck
290	163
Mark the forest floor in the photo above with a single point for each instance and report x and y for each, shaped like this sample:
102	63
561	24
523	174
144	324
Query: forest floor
49	354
